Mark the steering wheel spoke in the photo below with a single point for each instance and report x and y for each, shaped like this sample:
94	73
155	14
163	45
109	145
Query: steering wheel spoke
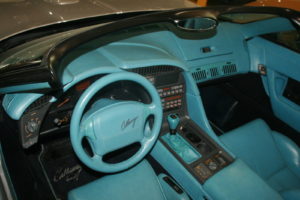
85	131
97	158
150	109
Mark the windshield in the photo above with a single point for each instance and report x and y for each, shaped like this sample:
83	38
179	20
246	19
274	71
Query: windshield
244	18
35	49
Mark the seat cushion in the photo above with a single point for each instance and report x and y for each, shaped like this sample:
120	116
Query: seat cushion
238	182
291	194
271	155
139	182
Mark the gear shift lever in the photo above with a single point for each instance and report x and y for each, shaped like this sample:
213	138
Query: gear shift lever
173	121
177	143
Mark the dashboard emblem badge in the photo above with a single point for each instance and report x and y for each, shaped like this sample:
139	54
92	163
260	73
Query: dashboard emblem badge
128	122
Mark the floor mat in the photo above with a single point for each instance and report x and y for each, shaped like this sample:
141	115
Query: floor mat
63	168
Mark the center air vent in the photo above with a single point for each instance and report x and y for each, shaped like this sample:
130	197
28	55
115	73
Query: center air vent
229	69
199	75
215	70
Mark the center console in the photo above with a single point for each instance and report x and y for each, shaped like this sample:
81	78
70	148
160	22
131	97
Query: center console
201	155
196	161
191	146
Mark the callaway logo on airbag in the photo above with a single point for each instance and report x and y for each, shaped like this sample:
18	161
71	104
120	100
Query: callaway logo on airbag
127	122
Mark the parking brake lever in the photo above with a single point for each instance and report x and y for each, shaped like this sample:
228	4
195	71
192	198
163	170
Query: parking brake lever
173	121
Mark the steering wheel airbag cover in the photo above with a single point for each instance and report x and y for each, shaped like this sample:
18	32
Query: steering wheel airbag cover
128	125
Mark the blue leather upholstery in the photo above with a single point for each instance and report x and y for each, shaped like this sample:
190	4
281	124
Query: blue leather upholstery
271	155
139	182
291	194
238	182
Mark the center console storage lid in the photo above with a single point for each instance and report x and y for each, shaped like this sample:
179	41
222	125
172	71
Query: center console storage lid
238	181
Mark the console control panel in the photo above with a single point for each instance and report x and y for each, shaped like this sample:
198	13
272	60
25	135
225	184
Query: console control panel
170	85
210	166
172	97
213	157
168	91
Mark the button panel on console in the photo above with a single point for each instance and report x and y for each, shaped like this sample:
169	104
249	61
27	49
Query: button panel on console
171	97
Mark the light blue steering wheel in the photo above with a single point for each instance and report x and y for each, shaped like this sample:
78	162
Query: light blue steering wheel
110	125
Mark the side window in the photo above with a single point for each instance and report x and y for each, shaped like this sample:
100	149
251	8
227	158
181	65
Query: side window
289	39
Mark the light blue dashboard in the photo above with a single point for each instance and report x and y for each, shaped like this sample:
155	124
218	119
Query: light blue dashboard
156	45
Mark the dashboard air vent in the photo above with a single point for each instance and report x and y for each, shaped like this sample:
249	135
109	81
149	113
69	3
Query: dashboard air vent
199	75
214	70
229	69
155	70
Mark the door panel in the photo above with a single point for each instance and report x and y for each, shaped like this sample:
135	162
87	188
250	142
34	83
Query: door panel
282	64
283	108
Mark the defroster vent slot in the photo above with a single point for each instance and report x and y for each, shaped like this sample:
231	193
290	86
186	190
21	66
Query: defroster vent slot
155	70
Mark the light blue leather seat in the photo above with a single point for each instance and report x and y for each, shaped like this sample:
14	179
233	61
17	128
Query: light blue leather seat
273	156
138	183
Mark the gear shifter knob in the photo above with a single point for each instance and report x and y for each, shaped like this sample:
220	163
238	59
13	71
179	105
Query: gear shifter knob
173	121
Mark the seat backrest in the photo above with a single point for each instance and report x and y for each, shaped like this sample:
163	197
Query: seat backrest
254	144
271	155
